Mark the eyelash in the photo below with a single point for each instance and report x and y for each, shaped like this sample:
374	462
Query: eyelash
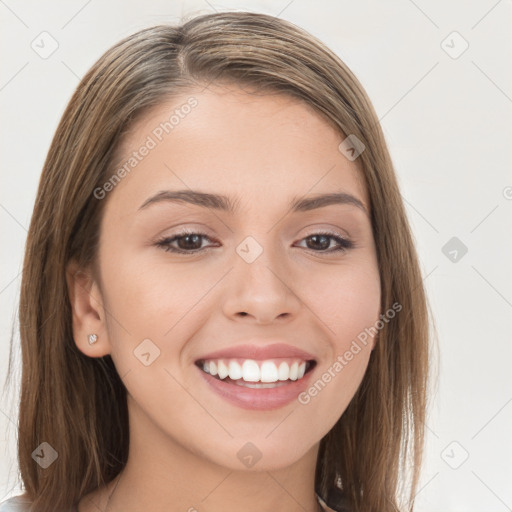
344	243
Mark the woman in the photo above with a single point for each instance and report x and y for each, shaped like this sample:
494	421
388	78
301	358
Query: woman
221	302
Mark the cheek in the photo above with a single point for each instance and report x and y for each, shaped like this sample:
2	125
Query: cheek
336	383
150	306
348	305
346	300
149	297
154	307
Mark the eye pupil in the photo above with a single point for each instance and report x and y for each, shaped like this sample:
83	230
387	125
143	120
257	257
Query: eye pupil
316	238
193	245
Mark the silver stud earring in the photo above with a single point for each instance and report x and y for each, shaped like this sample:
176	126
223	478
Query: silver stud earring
93	338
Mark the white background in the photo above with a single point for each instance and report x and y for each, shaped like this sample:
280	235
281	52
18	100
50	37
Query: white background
448	125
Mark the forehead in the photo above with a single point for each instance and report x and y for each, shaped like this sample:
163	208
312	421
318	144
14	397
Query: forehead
252	146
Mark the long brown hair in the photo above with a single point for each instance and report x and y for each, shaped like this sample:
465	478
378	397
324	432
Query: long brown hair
77	404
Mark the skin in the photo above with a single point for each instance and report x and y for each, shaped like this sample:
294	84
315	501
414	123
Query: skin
184	438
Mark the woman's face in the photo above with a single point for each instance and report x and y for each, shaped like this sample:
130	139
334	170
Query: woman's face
258	270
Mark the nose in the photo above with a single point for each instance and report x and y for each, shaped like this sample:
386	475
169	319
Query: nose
262	291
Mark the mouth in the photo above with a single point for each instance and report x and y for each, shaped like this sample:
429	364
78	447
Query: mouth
257	374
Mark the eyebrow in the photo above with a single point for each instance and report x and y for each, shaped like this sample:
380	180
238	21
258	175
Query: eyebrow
224	203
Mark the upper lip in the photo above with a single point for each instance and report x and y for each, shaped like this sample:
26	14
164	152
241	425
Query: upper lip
259	352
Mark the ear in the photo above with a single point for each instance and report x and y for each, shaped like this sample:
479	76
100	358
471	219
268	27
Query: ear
88	314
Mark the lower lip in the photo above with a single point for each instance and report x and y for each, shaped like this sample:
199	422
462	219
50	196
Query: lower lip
261	399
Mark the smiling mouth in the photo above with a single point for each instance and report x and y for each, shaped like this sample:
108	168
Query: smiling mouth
257	374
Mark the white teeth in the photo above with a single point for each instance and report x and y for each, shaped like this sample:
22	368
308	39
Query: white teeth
293	370
269	372
235	370
223	370
250	371
256	371
284	371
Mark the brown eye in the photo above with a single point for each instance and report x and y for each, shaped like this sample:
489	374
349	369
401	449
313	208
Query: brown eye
189	242
321	242
185	243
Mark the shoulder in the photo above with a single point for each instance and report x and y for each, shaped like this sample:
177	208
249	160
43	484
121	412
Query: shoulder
15	504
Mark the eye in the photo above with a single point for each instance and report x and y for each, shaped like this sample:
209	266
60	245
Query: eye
190	242
323	241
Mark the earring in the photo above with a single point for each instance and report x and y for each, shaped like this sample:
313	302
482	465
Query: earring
93	338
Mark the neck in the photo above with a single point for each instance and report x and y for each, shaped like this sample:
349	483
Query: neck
163	475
